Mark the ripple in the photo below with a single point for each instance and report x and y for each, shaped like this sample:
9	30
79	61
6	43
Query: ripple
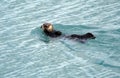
25	52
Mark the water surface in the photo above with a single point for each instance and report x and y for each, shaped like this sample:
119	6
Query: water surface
25	52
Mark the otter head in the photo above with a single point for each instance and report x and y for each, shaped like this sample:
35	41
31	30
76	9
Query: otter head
47	26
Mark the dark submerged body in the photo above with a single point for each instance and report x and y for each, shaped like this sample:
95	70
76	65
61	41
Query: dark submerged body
55	34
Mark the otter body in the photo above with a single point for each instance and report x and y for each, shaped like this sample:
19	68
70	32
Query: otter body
84	36
53	33
49	31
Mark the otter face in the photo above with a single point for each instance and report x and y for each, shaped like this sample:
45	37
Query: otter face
47	26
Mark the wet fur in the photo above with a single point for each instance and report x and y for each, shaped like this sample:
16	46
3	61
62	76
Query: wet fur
49	31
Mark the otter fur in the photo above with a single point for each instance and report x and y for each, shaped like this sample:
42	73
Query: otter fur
49	30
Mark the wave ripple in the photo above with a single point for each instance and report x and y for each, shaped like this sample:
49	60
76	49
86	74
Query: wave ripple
25	52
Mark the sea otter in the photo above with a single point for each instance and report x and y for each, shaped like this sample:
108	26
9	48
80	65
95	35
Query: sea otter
49	30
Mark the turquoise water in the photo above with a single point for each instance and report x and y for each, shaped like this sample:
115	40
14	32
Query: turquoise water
25	52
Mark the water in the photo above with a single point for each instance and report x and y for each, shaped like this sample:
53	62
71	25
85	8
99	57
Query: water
25	52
